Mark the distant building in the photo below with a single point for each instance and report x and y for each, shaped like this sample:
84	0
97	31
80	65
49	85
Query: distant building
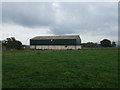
56	42
25	46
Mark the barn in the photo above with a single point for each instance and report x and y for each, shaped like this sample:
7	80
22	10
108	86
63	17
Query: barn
65	42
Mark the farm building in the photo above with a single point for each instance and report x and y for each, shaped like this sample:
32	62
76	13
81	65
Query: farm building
56	42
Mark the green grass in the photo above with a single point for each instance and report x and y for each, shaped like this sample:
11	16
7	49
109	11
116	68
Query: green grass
60	69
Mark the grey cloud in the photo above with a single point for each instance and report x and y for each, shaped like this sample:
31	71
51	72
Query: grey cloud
87	17
63	18
0	20
28	14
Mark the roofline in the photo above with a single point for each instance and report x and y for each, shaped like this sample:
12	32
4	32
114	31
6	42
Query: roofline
54	35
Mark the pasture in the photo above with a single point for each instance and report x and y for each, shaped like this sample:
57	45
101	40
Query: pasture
97	68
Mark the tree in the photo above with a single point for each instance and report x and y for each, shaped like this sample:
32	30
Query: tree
113	44
12	43
89	44
105	43
13	39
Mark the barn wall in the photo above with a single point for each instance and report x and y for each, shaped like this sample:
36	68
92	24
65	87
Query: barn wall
78	41
55	47
78	47
53	42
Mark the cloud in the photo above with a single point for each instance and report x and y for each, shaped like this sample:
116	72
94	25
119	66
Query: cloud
23	33
91	19
28	14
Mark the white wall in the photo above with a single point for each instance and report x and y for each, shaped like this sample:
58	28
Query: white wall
55	47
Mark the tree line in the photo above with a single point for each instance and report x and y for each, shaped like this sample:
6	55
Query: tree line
103	43
12	43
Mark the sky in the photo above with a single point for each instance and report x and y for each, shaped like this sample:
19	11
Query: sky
92	21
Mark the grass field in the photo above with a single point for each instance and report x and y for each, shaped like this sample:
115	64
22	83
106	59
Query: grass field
96	68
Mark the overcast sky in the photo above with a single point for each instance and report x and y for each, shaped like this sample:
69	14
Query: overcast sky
92	21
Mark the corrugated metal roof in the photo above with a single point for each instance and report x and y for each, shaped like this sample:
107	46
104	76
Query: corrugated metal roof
57	37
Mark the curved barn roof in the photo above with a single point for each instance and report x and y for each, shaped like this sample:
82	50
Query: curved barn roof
56	37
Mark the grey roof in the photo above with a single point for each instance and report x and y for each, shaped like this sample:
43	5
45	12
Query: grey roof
57	37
